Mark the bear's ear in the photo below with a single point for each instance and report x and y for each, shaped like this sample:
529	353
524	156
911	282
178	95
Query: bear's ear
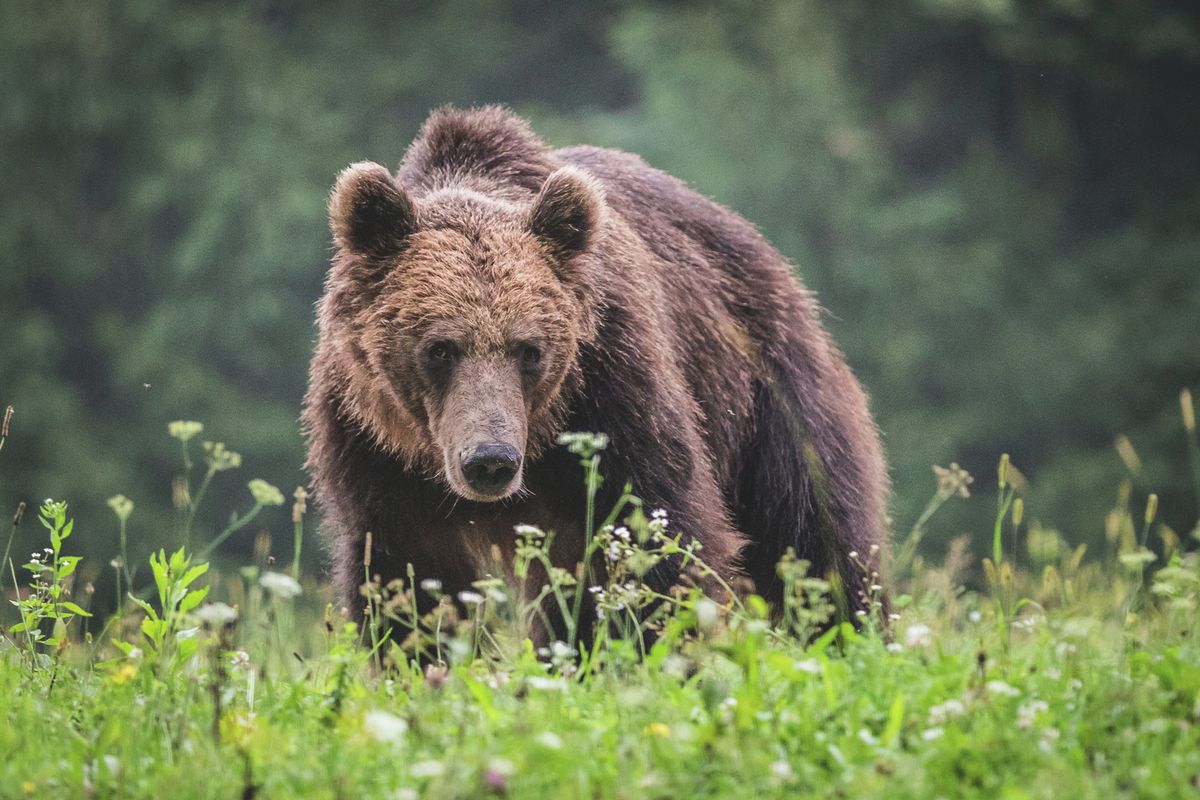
567	211
368	211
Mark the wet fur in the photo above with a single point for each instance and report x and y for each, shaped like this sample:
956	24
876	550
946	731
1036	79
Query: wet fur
690	343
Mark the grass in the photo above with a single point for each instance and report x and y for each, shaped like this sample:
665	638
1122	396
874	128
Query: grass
1061	675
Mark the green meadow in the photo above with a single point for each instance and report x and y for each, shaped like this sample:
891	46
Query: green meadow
1040	668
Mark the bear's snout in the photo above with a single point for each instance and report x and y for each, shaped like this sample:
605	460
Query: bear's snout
490	468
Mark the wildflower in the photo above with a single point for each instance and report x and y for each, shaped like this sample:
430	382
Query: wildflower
707	613
781	771
867	738
135	653
895	647
550	740
974	616
531	532
282	586
918	636
809	665
183	430
945	711
1049	737
406	793
427	769
220	459
470	598
658	729
265	494
384	727
300	507
496	774
436	676
240	660
1028	712
121	505
953	480
112	764
216	615
930	734
124	673
547	684
1001	689
431	585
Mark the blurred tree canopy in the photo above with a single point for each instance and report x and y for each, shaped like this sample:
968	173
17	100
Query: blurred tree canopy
997	201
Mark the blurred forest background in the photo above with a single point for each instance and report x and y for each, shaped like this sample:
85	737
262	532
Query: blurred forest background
998	201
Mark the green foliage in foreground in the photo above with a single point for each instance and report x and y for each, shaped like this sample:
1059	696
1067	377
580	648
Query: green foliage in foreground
1065	675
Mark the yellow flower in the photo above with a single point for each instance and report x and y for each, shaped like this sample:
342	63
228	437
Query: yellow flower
124	673
657	729
28	787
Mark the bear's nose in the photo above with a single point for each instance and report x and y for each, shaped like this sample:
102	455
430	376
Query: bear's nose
491	468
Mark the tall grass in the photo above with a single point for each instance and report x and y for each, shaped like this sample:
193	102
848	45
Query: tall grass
1064	674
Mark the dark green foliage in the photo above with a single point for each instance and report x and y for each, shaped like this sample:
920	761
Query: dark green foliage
996	202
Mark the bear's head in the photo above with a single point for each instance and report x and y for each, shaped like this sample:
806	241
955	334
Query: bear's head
457	317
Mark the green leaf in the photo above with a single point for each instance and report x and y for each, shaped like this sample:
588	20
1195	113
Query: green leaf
142	604
193	599
66	531
74	609
193	573
891	733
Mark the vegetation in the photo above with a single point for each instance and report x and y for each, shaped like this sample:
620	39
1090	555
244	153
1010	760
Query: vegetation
996	201
1066	673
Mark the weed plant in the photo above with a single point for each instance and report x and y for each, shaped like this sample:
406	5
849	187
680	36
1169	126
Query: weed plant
1056	675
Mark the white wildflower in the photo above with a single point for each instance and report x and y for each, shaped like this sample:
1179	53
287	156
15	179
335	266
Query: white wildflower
895	647
547	684
285	587
470	598
550	740
1001	689
945	711
930	734
431	585
216	615
707	613
384	727
809	665
918	636
1028	712
782	771
974	616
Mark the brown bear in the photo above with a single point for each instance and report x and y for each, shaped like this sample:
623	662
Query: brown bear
495	292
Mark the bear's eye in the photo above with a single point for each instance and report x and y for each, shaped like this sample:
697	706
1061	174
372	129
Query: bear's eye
531	355
441	353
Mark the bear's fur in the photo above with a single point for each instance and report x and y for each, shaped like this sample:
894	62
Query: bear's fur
495	292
